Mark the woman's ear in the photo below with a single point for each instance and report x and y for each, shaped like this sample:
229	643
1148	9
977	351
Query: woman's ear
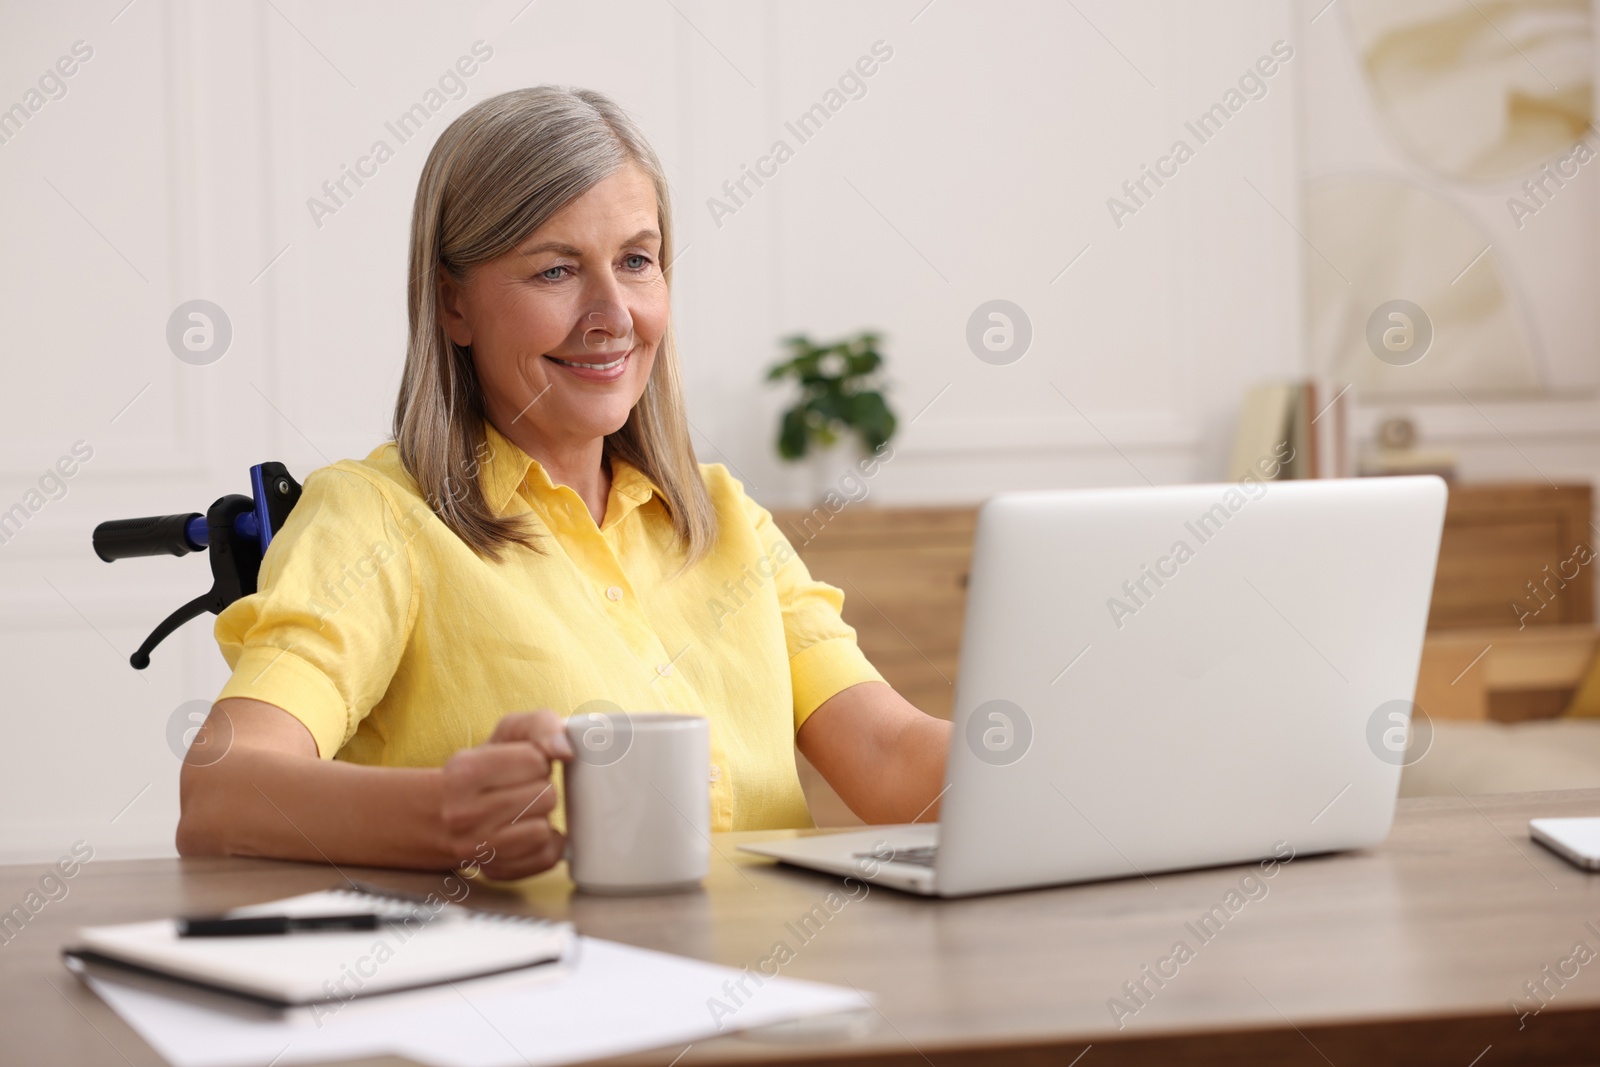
452	309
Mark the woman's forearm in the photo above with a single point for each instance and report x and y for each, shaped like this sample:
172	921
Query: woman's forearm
253	785
914	771
261	802
882	756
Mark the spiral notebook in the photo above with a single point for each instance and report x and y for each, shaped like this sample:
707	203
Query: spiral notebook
435	944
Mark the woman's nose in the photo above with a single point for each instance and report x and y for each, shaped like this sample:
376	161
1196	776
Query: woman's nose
602	326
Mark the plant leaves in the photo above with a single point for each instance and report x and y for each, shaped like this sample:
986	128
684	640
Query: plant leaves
831	404
793	433
870	415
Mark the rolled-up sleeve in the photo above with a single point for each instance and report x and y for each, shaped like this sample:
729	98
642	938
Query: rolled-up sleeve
824	658
323	634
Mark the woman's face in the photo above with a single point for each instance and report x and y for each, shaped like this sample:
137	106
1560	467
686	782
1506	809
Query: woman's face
564	327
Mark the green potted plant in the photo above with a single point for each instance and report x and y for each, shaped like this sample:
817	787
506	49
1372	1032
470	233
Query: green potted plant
841	395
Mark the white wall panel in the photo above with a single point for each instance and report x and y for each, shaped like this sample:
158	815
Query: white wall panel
977	166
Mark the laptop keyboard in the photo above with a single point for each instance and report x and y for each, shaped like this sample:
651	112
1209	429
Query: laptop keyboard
921	856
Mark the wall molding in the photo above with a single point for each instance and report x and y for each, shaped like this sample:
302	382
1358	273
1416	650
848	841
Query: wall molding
1144	431
1551	420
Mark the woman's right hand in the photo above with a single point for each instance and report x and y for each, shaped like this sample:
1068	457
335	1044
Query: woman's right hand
253	785
496	799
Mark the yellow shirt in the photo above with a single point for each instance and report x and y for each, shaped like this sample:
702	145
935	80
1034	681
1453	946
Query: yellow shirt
396	644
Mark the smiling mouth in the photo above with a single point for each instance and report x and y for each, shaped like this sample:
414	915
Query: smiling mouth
612	365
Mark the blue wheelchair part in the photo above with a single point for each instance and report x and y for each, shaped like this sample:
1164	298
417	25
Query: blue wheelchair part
236	529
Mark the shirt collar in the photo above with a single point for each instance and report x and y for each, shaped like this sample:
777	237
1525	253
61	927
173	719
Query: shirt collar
506	467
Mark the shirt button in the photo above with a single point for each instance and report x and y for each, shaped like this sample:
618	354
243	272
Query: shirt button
716	772
664	669
614	593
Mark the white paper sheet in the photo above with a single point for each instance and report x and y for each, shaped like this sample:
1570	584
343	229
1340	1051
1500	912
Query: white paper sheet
609	999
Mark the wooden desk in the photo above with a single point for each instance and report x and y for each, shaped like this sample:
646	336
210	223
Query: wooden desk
1406	954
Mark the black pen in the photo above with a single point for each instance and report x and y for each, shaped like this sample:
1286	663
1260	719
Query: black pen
257	925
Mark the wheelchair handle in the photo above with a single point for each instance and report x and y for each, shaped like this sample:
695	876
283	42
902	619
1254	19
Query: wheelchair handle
156	535
236	530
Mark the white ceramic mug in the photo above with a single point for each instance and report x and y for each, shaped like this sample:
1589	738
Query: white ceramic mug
638	792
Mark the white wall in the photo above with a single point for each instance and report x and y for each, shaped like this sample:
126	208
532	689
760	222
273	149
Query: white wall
1550	265
976	167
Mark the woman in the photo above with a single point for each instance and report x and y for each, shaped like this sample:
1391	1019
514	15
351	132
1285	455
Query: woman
538	534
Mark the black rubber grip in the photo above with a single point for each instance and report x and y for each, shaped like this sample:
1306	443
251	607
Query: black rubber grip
158	535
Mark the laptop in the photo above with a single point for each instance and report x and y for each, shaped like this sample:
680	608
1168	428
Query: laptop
1169	678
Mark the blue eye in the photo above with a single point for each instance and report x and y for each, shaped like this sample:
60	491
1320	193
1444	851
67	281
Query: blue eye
556	271
643	261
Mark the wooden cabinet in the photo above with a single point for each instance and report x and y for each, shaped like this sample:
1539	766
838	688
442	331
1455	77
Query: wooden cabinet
1513	556
1504	674
904	574
1511	630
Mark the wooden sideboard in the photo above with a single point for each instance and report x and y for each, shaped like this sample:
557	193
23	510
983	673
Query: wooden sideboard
1507	675
904	575
1511	556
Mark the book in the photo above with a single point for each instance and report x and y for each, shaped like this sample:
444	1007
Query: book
1264	425
1332	423
1305	422
433	944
